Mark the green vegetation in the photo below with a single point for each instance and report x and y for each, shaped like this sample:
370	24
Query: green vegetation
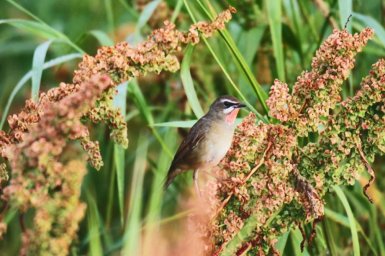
121	208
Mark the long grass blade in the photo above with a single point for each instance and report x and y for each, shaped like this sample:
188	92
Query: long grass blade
296	239
188	84
330	236
45	26
109	14
139	100
130	9
28	75
93	223
32	27
145	110
344	221
132	235
37	68
352	220
379	235
274	11
345	9
102	37
242	96
144	16
119	159
282	241
156	198
221	65
240	60
176	11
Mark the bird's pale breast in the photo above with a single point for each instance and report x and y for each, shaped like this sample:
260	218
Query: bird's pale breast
218	143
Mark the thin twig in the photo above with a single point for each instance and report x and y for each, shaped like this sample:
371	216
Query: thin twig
259	164
304	238
313	230
347	21
369	169
21	222
261	161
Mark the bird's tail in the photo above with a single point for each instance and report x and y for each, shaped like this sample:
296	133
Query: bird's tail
170	177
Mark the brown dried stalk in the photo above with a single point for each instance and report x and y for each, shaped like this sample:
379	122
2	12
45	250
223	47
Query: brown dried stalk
369	169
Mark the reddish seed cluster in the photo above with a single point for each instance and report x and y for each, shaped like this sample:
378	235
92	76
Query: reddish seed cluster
123	62
317	91
38	146
272	180
41	177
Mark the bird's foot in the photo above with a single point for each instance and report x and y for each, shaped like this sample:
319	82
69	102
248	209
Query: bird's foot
196	183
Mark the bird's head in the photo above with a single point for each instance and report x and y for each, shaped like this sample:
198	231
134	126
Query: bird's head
226	108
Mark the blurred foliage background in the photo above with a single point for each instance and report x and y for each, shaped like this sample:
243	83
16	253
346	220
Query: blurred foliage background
41	43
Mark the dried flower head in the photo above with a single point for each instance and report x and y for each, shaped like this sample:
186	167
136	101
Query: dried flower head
44	132
317	91
271	181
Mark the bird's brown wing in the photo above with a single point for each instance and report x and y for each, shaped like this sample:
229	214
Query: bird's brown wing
185	154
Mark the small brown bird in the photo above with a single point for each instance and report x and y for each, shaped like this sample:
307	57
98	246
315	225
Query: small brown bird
208	140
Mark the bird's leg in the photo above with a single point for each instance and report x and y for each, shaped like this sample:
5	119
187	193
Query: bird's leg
196	182
215	175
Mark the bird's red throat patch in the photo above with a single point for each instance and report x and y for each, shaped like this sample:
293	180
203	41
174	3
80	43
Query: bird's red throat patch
230	118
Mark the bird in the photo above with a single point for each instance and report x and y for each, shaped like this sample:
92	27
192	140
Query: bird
208	140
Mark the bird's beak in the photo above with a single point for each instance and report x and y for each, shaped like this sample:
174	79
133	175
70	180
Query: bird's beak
240	105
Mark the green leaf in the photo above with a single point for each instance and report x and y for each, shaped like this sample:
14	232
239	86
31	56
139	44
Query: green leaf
345	8
274	11
119	167
145	110
40	26
28	75
296	239
37	68
240	62
377	230
282	241
344	221
352	220
188	84
102	37
145	15
176	11
93	223
109	14
153	213
33	27
119	159
133	229
137	95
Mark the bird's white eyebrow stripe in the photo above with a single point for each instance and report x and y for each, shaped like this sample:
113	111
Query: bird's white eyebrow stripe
231	101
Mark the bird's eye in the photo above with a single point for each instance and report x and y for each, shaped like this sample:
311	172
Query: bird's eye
228	104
